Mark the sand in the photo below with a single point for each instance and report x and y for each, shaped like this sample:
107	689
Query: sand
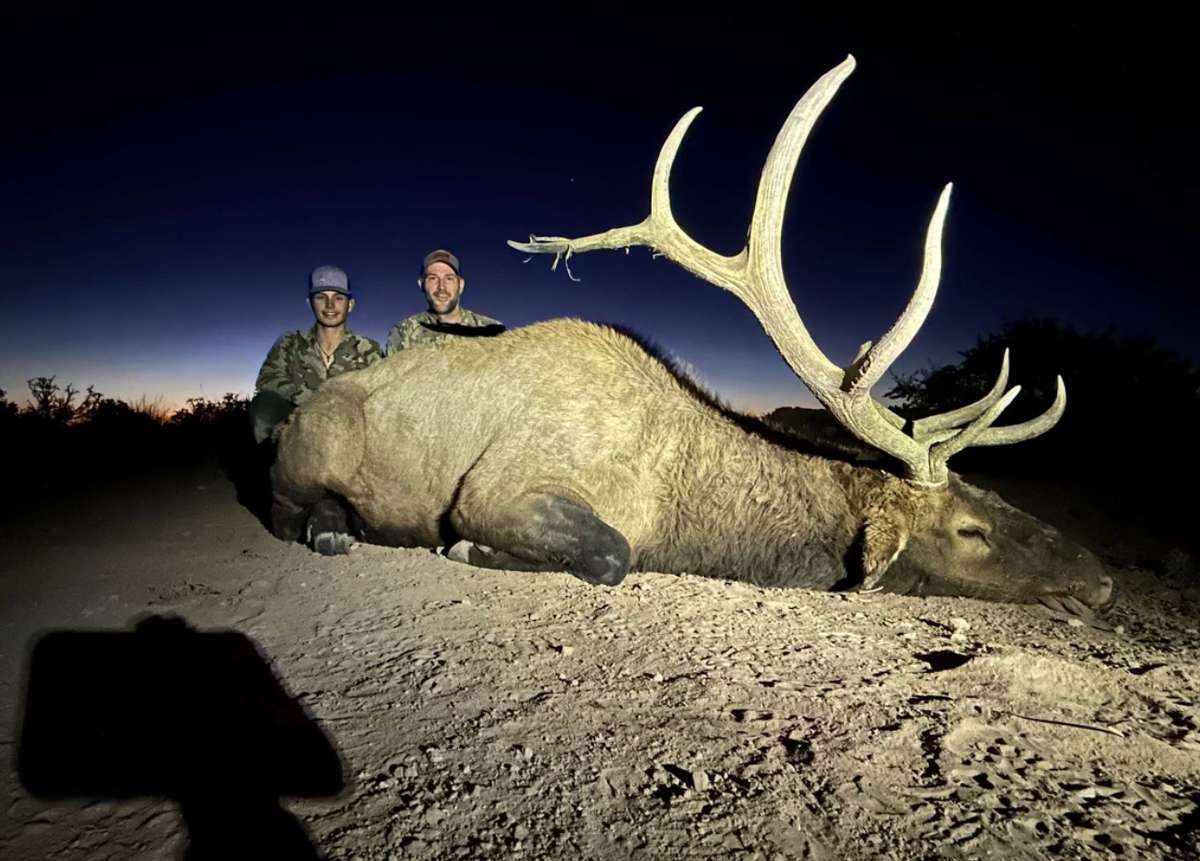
175	677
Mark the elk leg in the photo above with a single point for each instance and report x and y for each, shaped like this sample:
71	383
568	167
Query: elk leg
543	532
319	448
328	530
291	505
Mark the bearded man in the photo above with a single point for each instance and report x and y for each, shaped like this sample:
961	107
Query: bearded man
442	284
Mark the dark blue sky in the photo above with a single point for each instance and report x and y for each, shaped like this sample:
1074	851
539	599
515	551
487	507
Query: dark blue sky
170	182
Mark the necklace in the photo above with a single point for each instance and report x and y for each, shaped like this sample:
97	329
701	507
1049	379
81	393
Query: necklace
326	357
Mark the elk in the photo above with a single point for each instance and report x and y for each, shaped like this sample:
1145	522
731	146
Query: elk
567	446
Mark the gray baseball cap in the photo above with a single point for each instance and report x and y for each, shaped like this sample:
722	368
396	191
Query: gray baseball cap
328	278
441	256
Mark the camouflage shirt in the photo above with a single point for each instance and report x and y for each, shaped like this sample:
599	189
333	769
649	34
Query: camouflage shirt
295	368
425	328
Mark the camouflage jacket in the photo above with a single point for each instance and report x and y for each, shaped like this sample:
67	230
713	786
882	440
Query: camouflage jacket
294	368
424	328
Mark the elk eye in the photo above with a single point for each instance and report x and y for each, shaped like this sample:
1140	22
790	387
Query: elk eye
973	532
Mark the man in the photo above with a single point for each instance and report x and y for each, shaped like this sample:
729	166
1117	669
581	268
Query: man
442	283
301	360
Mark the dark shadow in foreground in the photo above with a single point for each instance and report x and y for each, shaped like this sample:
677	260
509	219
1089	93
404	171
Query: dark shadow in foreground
166	710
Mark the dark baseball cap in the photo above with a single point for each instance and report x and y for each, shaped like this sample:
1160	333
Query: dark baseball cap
441	256
328	278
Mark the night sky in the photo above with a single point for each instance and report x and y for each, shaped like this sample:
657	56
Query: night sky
171	181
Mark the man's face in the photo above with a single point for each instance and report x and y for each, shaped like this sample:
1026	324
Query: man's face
442	288
331	307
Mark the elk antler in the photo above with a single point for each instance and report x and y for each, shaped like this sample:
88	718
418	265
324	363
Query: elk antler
755	276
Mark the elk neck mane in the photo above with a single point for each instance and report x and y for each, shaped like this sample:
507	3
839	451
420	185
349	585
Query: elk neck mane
751	502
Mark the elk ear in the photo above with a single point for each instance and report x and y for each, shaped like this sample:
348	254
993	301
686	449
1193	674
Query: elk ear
884	539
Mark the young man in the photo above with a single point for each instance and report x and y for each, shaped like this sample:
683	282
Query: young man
301	360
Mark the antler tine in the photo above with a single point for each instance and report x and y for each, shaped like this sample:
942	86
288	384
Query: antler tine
923	429
870	368
1034	427
946	441
766	225
660	184
659	230
764	289
849	396
943	451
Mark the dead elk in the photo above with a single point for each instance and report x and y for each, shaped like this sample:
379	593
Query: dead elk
566	446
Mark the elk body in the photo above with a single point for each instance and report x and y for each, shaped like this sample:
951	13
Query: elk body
567	446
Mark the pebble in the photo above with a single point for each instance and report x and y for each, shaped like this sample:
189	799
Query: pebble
745	715
435	754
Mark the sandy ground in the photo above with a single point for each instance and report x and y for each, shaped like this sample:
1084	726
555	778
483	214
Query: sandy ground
172	674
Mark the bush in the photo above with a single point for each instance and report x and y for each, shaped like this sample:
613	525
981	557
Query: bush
1131	405
61	437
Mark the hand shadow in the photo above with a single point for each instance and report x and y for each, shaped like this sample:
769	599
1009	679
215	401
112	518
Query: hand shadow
166	710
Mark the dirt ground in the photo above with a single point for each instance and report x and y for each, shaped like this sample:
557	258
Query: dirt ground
172	675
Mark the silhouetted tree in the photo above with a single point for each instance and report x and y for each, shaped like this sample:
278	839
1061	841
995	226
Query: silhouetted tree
112	416
206	428
201	412
8	410
54	403
1130	403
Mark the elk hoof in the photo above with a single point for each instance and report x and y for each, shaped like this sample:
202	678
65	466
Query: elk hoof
460	552
332	543
328	530
470	553
607	570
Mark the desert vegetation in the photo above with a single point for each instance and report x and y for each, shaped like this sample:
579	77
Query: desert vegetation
1133	407
61	433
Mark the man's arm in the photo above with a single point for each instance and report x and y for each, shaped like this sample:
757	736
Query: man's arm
369	350
398	337
274	376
